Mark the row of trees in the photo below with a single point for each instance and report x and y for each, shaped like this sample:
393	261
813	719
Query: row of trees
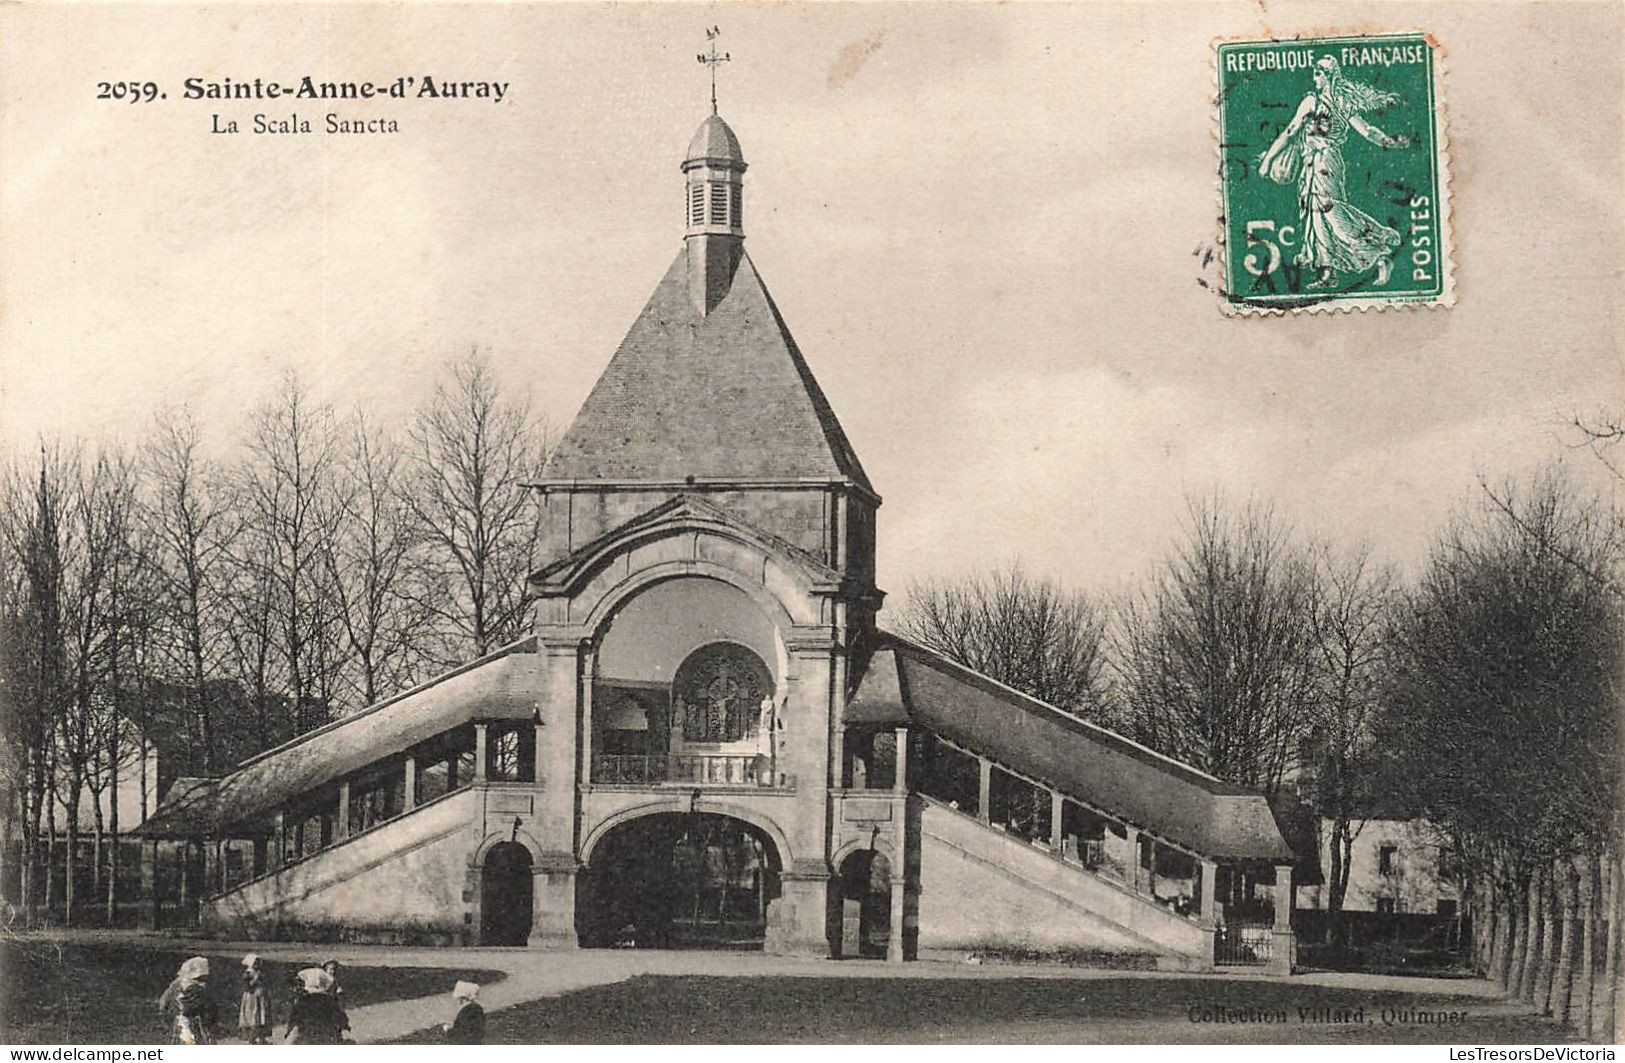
1482	695
1505	723
219	596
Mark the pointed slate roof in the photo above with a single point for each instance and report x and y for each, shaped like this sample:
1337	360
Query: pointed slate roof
723	396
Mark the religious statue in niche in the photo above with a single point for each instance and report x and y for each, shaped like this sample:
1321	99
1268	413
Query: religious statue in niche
767	728
718	692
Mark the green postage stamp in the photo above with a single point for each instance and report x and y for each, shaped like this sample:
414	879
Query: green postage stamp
1334	173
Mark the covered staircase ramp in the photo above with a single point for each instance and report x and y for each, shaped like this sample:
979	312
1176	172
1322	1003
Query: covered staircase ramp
399	878
982	888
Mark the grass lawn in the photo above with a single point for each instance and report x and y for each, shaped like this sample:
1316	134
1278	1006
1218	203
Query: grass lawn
663	1009
95	993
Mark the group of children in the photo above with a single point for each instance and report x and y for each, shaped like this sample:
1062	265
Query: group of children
315	1017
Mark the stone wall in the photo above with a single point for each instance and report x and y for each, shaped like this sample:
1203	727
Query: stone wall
401	882
983	891
801	516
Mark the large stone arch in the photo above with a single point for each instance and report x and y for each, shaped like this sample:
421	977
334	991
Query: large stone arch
638	580
769	619
682	803
687	537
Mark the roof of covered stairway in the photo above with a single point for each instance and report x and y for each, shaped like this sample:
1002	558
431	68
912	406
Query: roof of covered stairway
904	683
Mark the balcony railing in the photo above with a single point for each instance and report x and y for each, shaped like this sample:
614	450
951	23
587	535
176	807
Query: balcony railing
625	769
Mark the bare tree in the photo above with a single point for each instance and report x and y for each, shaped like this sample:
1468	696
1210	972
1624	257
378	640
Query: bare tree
15	685
1601	433
253	660
107	514
474	451
189	522
377	567
285	492
1027	632
132	599
37	522
1350	607
100	508
1215	659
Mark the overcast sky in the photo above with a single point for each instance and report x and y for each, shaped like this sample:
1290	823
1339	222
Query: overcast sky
983	225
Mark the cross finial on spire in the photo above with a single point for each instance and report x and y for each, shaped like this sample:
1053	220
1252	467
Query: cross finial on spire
711	59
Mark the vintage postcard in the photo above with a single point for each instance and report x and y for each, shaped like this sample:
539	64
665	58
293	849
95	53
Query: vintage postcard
769	523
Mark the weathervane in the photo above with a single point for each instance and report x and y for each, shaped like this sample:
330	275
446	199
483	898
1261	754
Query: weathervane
711	59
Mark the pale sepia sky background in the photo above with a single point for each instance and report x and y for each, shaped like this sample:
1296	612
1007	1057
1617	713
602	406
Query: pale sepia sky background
981	223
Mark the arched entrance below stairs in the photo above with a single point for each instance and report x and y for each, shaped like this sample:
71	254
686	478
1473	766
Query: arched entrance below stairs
679	880
506	888
865	904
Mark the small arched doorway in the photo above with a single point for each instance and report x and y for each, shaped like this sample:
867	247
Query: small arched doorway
676	880
506	888
865	904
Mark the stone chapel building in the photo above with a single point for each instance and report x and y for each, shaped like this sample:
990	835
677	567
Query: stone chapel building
707	740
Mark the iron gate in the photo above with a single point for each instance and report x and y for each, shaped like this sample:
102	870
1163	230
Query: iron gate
1244	944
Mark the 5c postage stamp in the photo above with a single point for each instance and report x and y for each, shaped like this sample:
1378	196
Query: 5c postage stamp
1334	173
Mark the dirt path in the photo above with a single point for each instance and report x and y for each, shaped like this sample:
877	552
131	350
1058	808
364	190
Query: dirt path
531	975
535	976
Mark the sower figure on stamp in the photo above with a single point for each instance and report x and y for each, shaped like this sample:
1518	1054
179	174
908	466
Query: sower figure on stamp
1337	237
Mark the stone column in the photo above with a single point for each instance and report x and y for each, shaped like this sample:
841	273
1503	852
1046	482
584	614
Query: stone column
479	752
588	670
798	919
900	774
984	790
1281	947
409	796
1210	881
341	829
554	825
1133	878
1055	821
899	862
553	903
279	841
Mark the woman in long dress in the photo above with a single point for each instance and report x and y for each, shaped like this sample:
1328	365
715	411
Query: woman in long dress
187	1006
315	1018
467	1027
1337	236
